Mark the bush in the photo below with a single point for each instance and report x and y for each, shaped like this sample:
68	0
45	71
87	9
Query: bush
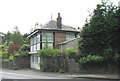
25	47
70	51
61	71
49	52
5	60
16	68
3	51
11	57
24	53
17	54
90	59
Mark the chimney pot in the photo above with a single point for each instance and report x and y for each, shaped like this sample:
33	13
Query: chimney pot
59	21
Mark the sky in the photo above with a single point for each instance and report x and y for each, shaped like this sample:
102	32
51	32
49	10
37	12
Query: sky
26	13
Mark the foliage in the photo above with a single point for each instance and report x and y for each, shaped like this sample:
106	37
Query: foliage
14	48
25	47
4	51
16	54
49	52
9	47
70	51
89	58
16	68
100	34
11	57
24	53
25	39
61	71
5	60
15	37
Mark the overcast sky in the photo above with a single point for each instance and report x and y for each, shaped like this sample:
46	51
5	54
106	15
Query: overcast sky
25	13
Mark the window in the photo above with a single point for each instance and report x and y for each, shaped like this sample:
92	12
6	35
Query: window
35	39
49	45
38	46
70	36
47	37
38	38
35	58
35	48
31	41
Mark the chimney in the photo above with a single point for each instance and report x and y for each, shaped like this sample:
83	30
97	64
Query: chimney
119	4
59	21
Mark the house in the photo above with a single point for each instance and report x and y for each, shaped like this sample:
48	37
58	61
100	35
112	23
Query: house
51	33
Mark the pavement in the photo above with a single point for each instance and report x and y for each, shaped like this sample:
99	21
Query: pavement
64	75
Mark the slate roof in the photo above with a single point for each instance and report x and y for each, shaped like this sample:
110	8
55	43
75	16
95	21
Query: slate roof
52	24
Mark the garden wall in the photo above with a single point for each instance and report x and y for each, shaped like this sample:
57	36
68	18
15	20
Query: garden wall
18	61
56	64
52	64
70	65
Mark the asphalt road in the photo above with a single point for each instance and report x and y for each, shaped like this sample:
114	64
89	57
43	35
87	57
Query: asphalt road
7	76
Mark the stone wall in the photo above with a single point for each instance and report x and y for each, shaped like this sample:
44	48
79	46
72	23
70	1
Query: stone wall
54	64
71	65
22	61
18	61
68	44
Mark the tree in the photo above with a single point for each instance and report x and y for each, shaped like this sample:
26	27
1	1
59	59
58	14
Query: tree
8	37
16	37
96	38
25	39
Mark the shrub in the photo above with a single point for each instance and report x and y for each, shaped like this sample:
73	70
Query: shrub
90	59
61	71
5	60
24	53
3	51
49	52
25	47
70	51
11	57
14	48
16	68
57	52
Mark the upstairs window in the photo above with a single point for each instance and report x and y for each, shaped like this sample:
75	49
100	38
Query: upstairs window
35	39
47	37
31	41
38	38
70	36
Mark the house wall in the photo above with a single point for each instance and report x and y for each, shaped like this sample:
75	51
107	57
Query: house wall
59	37
72	43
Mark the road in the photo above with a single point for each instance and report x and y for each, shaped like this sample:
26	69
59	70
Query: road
7	76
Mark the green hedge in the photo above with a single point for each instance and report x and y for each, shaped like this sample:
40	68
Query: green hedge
90	59
50	52
70	51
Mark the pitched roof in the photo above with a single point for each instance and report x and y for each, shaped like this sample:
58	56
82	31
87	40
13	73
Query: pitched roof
52	24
